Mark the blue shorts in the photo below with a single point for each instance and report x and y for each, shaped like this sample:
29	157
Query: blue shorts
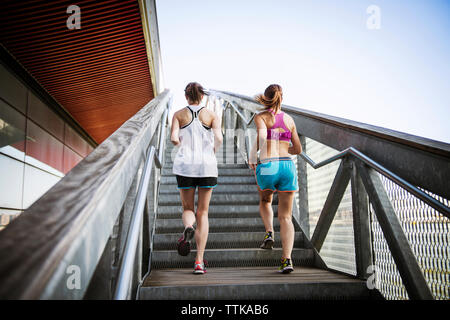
277	174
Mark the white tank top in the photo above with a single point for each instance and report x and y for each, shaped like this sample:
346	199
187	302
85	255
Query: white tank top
195	156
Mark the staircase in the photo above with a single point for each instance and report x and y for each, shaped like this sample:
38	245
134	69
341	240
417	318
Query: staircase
237	268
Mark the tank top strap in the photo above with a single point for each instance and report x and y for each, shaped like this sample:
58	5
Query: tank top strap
197	112
194	113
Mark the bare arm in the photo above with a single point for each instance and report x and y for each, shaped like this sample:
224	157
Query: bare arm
296	147
217	130
261	139
175	131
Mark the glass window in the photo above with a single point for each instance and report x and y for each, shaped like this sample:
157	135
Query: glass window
73	140
12	132
43	150
12	90
36	183
11	182
44	117
71	159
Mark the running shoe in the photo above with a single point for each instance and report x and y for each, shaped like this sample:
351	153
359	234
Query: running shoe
199	268
286	266
184	245
268	241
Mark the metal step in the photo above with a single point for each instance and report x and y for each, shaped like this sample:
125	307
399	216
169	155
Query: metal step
217	225
223	240
240	257
260	283
217	199
216	211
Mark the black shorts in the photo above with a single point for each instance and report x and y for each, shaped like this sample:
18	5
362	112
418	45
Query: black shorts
193	182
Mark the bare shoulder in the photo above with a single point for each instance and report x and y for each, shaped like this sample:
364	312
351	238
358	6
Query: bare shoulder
258	117
210	113
289	121
178	113
260	120
263	115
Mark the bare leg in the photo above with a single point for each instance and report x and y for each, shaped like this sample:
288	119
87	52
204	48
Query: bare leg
187	201
265	209
201	233
287	232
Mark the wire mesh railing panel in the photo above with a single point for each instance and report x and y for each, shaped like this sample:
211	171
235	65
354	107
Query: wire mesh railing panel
387	277
338	249
428	234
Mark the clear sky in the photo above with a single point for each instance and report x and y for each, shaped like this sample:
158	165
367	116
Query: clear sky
321	52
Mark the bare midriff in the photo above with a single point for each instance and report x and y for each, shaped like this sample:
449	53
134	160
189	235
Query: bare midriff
274	149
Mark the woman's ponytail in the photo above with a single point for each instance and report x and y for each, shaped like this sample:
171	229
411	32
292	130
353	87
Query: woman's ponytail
195	92
272	97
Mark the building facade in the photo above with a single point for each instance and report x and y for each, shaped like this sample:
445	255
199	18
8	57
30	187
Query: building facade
37	146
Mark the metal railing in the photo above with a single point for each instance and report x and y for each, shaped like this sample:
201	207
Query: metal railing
124	283
371	204
89	236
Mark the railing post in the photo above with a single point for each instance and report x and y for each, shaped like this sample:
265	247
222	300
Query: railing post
361	225
303	206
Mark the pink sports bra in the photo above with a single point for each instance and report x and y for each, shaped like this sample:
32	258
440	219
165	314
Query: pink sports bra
279	123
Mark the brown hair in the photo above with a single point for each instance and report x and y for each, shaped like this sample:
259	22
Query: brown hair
272	97
194	92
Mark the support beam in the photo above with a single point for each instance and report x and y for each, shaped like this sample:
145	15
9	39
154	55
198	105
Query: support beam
361	225
331	205
404	258
303	191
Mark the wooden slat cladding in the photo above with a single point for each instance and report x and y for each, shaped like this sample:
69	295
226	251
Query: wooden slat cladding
98	73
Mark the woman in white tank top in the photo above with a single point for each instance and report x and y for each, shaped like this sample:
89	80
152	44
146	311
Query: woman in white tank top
197	133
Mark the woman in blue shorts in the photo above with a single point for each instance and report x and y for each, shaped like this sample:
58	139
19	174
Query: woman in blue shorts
277	140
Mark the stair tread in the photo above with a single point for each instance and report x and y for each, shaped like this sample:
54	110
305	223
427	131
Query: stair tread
217	198
168	241
241	275
243	283
235	257
241	224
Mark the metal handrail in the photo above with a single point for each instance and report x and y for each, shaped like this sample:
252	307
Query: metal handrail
126	266
163	132
129	255
247	122
373	164
159	161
